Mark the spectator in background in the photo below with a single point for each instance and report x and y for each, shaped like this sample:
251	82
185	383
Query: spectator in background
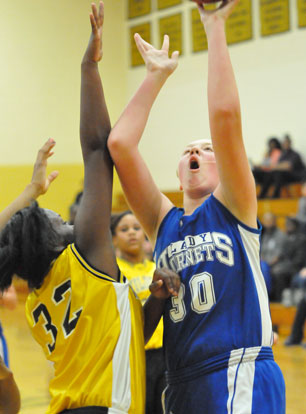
290	261
301	214
271	157
271	246
290	168
297	331
272	239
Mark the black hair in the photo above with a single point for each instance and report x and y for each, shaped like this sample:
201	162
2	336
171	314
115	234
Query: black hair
276	142
28	245
78	198
116	218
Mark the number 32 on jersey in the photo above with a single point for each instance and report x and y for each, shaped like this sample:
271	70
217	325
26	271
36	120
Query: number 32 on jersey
60	293
202	297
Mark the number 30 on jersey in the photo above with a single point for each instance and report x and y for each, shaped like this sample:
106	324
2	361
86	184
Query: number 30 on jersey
202	297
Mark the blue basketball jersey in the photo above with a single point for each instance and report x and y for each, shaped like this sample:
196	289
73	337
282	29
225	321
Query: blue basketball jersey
222	303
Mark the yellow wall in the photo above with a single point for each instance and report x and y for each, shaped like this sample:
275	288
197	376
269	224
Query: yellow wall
61	194
42	44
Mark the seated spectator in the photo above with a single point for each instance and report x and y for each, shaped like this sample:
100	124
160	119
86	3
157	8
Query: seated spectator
271	244
271	158
297	331
272	239
290	168
301	214
290	260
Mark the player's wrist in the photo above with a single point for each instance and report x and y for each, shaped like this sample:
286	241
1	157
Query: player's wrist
33	190
213	23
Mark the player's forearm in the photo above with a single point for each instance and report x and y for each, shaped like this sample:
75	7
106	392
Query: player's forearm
153	311
29	194
9	395
128	131
222	89
94	121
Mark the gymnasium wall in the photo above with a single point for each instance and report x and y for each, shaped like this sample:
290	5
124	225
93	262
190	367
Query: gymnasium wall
42	43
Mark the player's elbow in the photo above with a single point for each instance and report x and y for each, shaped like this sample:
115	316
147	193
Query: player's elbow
227	111
116	145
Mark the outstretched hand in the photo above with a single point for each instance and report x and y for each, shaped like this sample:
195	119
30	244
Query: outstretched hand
39	178
94	49
223	11
157	60
165	283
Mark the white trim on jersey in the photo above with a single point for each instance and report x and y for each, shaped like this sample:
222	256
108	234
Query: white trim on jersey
251	245
121	385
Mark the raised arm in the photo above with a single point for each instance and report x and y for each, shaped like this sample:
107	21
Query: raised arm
92	224
144	198
39	184
237	186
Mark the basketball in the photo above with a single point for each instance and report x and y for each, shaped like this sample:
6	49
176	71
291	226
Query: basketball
206	1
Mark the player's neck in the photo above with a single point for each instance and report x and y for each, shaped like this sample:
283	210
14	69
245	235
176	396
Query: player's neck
133	258
191	204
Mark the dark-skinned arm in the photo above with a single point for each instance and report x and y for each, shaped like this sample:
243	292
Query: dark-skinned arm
9	392
92	222
165	283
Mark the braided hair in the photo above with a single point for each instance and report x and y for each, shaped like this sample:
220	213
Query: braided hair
28	245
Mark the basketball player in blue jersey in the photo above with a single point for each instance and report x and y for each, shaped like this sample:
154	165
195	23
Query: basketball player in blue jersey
81	310
217	332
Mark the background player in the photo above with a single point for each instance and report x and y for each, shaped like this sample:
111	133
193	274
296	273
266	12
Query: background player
217	333
128	239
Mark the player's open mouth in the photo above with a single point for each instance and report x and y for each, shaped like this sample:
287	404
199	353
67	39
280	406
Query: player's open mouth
194	165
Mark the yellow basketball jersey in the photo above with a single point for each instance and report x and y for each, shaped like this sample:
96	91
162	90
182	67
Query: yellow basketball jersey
91	328
140	277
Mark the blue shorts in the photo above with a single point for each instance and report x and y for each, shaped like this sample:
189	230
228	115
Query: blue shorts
251	386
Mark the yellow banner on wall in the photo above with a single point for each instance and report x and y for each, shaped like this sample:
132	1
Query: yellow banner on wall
274	16
239	24
301	6
144	30
199	39
138	8
163	4
172	26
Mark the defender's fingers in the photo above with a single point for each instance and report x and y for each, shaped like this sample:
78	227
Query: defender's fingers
165	45
52	176
154	286
168	281
95	12
93	23
50	153
101	13
45	149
